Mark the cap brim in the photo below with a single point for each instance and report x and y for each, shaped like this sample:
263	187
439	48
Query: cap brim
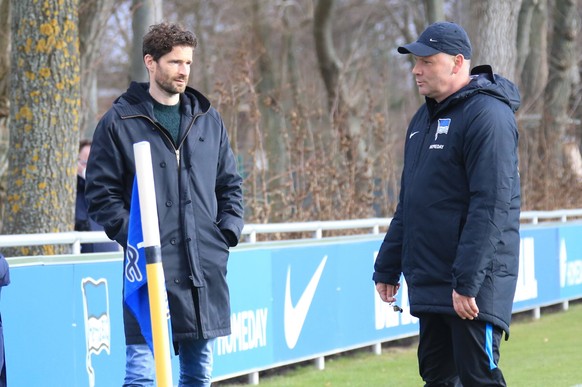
418	49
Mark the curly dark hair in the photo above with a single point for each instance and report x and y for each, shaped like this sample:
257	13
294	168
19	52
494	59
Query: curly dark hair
163	37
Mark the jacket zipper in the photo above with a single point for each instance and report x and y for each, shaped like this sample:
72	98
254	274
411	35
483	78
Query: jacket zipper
176	149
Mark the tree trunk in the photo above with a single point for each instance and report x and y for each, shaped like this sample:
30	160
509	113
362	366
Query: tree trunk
355	183
201	49
532	73
44	111
532	62
302	136
556	119
435	10
145	14
494	36
329	63
4	91
93	16
272	124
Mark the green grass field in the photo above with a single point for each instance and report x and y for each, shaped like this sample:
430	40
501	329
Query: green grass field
545	353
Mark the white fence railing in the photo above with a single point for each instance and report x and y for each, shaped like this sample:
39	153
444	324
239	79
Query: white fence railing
250	231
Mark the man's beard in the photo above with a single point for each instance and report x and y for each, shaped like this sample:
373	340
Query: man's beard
168	86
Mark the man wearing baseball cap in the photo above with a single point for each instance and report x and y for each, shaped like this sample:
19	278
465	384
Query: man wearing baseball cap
455	233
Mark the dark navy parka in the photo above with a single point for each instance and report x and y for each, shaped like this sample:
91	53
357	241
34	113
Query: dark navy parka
199	203
456	225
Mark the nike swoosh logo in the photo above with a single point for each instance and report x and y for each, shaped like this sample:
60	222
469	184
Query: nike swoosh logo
294	316
433	40
412	134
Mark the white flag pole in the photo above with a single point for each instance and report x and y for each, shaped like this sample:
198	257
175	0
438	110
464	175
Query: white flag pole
158	299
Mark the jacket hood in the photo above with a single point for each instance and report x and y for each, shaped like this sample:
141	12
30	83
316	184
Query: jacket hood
137	100
496	86
483	81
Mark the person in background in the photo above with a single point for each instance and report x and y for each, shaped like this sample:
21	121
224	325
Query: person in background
4	281
455	232
198	194
82	220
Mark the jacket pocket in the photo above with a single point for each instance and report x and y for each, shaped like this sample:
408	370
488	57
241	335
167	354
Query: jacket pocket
219	234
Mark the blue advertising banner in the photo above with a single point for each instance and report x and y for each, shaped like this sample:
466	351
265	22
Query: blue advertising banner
290	302
570	262
63	325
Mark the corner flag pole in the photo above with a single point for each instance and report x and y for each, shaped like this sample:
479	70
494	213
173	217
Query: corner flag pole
158	298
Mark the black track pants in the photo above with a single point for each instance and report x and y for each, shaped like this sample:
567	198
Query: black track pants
456	352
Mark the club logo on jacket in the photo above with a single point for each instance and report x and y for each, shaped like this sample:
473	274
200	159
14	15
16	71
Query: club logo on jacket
443	127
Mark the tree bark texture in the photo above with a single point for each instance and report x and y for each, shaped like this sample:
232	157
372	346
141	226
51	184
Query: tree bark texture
435	10
93	17
145	14
44	112
4	95
532	57
563	57
345	123
497	22
272	123
329	63
201	49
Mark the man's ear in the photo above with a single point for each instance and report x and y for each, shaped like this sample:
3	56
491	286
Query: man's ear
458	59
149	62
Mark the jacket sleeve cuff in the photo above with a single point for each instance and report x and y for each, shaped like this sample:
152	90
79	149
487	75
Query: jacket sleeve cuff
384	278
231	232
230	237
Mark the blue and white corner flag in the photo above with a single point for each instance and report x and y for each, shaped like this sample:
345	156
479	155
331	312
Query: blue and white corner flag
135	290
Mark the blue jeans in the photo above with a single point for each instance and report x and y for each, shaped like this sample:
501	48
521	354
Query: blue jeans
195	364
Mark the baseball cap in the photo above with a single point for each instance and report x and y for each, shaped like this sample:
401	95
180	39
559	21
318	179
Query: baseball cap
446	37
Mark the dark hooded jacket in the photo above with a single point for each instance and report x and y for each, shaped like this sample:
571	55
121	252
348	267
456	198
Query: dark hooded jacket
456	225
199	203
